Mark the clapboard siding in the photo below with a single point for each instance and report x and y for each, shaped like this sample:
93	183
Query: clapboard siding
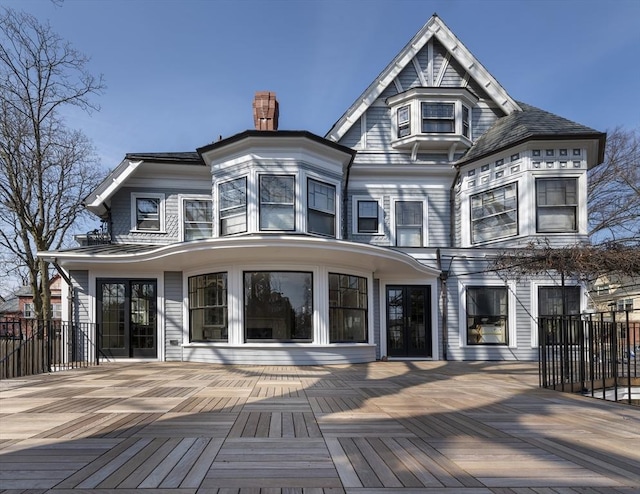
423	61
409	77
439	53
82	301
378	127
454	75
353	137
173	323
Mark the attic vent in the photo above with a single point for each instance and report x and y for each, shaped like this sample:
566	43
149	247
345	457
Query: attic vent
265	111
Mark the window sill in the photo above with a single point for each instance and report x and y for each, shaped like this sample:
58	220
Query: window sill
419	142
155	232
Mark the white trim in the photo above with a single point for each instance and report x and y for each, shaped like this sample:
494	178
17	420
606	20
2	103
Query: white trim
355	214
512	310
161	210
534	304
392	219
182	198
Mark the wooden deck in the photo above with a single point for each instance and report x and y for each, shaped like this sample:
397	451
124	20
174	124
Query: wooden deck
385	427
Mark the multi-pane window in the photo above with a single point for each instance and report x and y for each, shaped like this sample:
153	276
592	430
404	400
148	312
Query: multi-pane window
438	118
197	219
465	121
232	204
409	223
557	205
321	208
148	212
29	311
208	319
278	306
347	308
368	217
56	311
487	316
558	301
277	202
624	304
404	121
494	214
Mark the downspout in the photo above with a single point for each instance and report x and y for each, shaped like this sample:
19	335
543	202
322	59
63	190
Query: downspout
445	305
345	198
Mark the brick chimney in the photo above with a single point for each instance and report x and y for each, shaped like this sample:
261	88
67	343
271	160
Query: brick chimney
265	111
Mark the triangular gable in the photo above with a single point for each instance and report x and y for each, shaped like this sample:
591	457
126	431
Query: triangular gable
434	28
95	201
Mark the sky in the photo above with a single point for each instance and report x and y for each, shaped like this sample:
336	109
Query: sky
180	73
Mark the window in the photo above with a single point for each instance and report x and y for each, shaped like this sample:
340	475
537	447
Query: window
551	302
557	205
148	212
367	217
624	305
56	311
465	121
487	311
232	204
29	311
438	118
208	307
404	121
278	306
321	203
409	223
347	308
277	202
494	214
197	217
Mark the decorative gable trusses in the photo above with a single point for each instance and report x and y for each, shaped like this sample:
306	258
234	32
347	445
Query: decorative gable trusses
433	29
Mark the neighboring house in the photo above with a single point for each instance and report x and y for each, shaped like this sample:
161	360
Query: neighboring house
617	295
375	241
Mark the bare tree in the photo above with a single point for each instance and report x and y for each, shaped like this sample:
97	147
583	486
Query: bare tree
614	189
46	168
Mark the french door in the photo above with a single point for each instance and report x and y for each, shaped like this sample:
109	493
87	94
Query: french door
409	321
127	317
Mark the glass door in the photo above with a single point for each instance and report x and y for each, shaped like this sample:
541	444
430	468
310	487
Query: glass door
409	321
127	318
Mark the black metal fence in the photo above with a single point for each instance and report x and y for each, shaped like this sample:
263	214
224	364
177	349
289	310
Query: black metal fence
592	354
31	346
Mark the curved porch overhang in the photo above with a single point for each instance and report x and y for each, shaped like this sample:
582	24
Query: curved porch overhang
183	256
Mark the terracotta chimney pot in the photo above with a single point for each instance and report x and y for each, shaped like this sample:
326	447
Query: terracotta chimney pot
265	111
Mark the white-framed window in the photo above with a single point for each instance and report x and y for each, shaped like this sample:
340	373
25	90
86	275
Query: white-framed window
197	218
147	212
208	307
403	116
409	223
487	315
624	304
56	311
321	208
466	122
277	202
556	205
494	214
28	311
438	118
348	308
232	206
367	216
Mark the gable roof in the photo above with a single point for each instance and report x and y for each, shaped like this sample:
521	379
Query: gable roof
532	124
434	28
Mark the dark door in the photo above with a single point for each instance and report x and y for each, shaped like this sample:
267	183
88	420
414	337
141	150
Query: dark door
127	318
409	321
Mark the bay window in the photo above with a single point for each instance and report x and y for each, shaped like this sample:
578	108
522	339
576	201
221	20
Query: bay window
232	206
321	208
348	301
278	306
277	202
438	118
404	121
197	218
494	214
557	205
487	315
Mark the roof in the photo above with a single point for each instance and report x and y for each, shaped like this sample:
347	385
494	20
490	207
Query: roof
530	124
434	28
188	158
10	306
109	249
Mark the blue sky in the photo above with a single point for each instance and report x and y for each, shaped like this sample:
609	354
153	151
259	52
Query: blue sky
179	73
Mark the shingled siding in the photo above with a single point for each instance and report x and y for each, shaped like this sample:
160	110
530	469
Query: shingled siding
121	215
173	324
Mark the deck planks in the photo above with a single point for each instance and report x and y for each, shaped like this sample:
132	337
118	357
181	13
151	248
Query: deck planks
379	428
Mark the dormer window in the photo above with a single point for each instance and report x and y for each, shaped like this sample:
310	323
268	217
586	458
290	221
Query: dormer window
432	118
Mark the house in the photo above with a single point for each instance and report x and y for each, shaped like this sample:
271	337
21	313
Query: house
374	241
616	294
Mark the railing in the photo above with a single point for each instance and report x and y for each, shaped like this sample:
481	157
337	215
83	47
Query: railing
30	347
592	354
